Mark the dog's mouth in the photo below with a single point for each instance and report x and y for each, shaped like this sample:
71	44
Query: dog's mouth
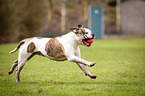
87	42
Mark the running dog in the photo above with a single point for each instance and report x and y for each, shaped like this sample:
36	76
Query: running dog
65	47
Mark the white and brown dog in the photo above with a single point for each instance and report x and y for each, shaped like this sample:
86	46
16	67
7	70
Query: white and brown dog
65	47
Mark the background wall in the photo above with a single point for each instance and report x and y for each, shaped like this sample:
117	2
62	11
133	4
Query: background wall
21	19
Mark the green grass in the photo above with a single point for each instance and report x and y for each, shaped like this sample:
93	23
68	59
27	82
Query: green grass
120	67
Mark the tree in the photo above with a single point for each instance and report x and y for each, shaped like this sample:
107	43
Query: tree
50	11
63	16
118	16
5	21
85	11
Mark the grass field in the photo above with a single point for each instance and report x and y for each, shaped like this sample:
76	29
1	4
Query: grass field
120	67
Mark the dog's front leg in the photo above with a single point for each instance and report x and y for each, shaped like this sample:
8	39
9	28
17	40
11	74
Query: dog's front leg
86	71
76	59
83	67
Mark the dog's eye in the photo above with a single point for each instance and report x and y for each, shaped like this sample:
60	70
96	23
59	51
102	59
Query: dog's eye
86	32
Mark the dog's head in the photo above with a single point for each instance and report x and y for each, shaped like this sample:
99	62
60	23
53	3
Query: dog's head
84	35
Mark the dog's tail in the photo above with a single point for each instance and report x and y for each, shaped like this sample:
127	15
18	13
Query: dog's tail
19	45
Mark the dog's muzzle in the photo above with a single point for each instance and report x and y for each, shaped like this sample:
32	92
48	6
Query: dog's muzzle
88	41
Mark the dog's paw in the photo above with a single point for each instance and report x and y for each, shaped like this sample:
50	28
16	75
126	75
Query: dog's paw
92	64
10	72
18	81
93	76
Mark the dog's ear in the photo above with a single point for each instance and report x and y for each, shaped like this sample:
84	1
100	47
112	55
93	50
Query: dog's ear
80	25
75	29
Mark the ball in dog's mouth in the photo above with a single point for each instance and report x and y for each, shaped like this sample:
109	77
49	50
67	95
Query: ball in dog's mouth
87	42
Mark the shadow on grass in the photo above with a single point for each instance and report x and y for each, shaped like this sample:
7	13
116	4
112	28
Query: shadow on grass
81	83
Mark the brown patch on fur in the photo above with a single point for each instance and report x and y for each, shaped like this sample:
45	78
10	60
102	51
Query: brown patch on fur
80	30
55	49
83	29
31	47
35	53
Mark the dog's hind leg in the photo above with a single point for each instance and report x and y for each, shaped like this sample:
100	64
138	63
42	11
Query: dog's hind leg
20	66
13	67
21	62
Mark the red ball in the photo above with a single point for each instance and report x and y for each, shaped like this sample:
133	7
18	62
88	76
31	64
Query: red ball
90	41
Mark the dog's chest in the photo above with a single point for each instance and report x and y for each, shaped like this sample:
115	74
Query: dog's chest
55	50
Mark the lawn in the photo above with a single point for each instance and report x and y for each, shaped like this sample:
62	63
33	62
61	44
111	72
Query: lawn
120	67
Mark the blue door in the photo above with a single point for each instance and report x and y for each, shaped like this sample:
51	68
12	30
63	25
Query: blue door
96	21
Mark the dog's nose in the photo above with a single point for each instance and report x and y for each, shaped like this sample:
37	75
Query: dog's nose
93	36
